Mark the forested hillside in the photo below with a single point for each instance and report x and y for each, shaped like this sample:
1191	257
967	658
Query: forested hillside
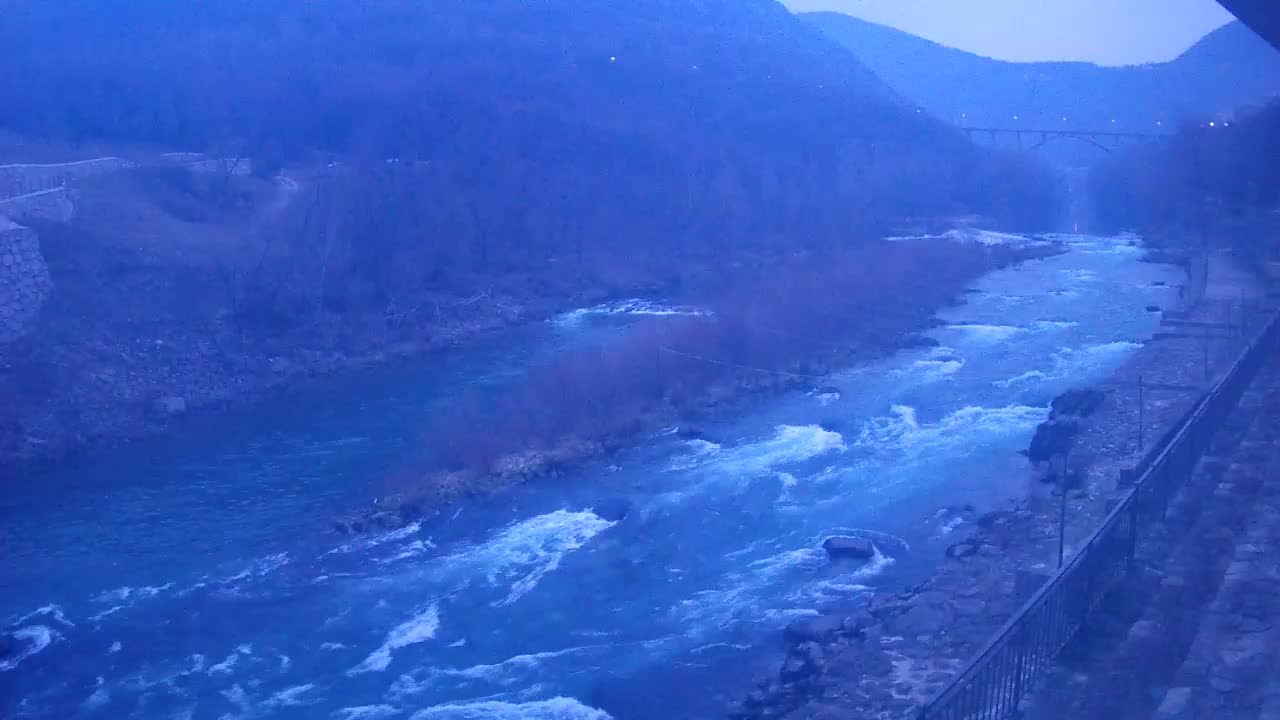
424	171
1216	183
1228	68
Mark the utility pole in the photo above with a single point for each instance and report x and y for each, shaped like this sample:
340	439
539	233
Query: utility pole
1206	353
1141	413
1062	512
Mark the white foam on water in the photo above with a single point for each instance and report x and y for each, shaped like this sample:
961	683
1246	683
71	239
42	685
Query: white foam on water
1080	274
1070	362
788	481
333	646
261	567
413	549
1028	376
807	559
991	237
901	429
225	667
790	443
115	647
97	617
420	628
1055	324
1112	348
826	398
521	554
131	594
291	697
505	672
557	708
633	306
53	611
949	526
986	333
938	369
699	452
35	637
365	712
101	695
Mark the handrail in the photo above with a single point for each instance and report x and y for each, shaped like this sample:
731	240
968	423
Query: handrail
993	683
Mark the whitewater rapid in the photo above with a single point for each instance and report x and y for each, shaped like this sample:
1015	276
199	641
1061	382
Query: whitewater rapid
209	590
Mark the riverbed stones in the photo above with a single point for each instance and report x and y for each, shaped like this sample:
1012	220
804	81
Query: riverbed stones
843	547
820	629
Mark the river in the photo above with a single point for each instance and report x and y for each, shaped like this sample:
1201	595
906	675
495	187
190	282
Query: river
194	576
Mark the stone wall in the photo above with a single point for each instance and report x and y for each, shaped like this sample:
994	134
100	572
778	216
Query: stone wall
52	205
24	279
25	179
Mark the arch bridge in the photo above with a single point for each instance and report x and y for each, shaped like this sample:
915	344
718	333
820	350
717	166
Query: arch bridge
1034	138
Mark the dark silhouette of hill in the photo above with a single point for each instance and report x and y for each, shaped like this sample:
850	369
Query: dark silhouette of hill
1229	67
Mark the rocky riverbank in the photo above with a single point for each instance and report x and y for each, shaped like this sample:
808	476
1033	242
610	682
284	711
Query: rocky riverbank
431	490
883	659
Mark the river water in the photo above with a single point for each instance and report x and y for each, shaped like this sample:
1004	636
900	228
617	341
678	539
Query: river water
194	576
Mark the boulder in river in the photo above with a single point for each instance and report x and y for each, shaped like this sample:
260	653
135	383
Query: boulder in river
1081	402
613	509
813	629
840	547
1052	438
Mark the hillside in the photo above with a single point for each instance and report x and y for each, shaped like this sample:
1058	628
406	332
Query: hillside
425	172
1228	68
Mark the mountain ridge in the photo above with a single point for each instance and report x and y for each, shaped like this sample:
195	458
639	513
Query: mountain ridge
1228	68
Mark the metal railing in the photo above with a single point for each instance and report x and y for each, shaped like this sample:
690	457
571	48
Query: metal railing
991	686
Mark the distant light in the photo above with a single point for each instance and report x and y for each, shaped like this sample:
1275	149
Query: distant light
613	58
1064	118
1113	122
1160	122
695	67
1211	124
1015	117
1226	124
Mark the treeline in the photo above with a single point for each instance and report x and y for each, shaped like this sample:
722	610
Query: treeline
1207	183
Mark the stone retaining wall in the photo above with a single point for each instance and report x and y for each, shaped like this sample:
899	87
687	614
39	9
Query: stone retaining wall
25	179
24	279
52	204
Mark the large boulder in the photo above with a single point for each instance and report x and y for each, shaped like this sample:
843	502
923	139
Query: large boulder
1078	403
613	509
842	547
1053	438
819	629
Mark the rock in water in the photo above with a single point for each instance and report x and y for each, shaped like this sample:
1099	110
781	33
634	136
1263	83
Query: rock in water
1052	438
814	629
614	509
841	547
1080	403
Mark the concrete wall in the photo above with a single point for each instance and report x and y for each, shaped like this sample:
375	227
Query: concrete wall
24	279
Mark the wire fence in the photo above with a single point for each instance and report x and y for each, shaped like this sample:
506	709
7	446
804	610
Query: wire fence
992	685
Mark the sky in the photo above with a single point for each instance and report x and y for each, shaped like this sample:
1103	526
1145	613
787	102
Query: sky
1107	32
